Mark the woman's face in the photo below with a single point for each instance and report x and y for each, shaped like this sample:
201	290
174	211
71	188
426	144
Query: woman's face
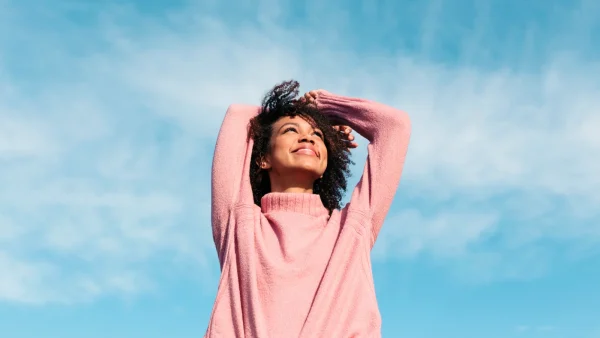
296	148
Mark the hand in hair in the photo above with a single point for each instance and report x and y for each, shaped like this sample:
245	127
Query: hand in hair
312	96
347	136
346	131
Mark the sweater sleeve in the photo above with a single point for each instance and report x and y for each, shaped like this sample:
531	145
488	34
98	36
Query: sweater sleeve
230	170
388	132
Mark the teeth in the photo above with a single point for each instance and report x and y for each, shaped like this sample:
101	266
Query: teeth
307	150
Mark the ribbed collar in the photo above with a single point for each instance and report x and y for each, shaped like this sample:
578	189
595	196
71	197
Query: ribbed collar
304	203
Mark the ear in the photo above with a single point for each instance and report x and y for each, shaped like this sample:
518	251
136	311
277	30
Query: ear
264	163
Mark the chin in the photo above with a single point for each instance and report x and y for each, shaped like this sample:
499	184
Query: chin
312	171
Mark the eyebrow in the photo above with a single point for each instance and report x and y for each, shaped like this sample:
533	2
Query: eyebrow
298	126
288	123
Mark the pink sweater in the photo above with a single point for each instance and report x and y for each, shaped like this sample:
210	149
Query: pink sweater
288	268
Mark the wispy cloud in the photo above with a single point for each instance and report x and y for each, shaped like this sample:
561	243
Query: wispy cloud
534	329
106	148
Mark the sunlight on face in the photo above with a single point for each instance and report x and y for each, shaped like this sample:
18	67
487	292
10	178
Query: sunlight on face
297	148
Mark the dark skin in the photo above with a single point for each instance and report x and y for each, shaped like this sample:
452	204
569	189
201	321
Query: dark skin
282	102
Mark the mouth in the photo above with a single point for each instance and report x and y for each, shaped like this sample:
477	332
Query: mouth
306	151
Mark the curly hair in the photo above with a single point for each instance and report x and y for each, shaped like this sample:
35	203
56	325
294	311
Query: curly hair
282	101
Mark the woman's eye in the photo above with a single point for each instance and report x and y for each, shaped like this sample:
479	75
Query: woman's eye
319	134
289	129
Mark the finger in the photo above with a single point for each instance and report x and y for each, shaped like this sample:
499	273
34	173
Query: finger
336	128
341	128
351	145
350	137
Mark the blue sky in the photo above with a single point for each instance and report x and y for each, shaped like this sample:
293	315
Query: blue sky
109	113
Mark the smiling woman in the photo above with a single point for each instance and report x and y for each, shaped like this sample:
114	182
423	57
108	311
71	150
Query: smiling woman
293	262
295	145
288	129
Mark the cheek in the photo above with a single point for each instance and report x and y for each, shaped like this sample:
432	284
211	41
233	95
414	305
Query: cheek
277	151
324	155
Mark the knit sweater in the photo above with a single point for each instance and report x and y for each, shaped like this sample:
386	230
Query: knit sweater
288	267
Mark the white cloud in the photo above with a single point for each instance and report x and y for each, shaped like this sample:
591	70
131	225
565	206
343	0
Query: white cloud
22	138
444	234
40	282
534	329
109	169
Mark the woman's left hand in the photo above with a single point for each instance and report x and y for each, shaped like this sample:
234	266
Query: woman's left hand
311	97
347	136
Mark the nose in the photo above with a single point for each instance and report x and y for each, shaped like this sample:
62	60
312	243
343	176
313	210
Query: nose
306	138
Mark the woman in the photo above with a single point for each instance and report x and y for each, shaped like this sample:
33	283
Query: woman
293	263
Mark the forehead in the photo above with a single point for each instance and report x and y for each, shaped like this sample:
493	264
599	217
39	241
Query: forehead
298	119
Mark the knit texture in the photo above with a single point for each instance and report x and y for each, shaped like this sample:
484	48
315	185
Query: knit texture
288	268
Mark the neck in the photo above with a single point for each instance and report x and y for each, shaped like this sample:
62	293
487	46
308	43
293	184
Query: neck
291	184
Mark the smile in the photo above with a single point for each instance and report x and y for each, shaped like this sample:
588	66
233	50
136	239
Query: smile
306	151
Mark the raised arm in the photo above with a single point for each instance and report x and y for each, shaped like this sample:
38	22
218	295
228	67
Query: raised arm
388	132
228	168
